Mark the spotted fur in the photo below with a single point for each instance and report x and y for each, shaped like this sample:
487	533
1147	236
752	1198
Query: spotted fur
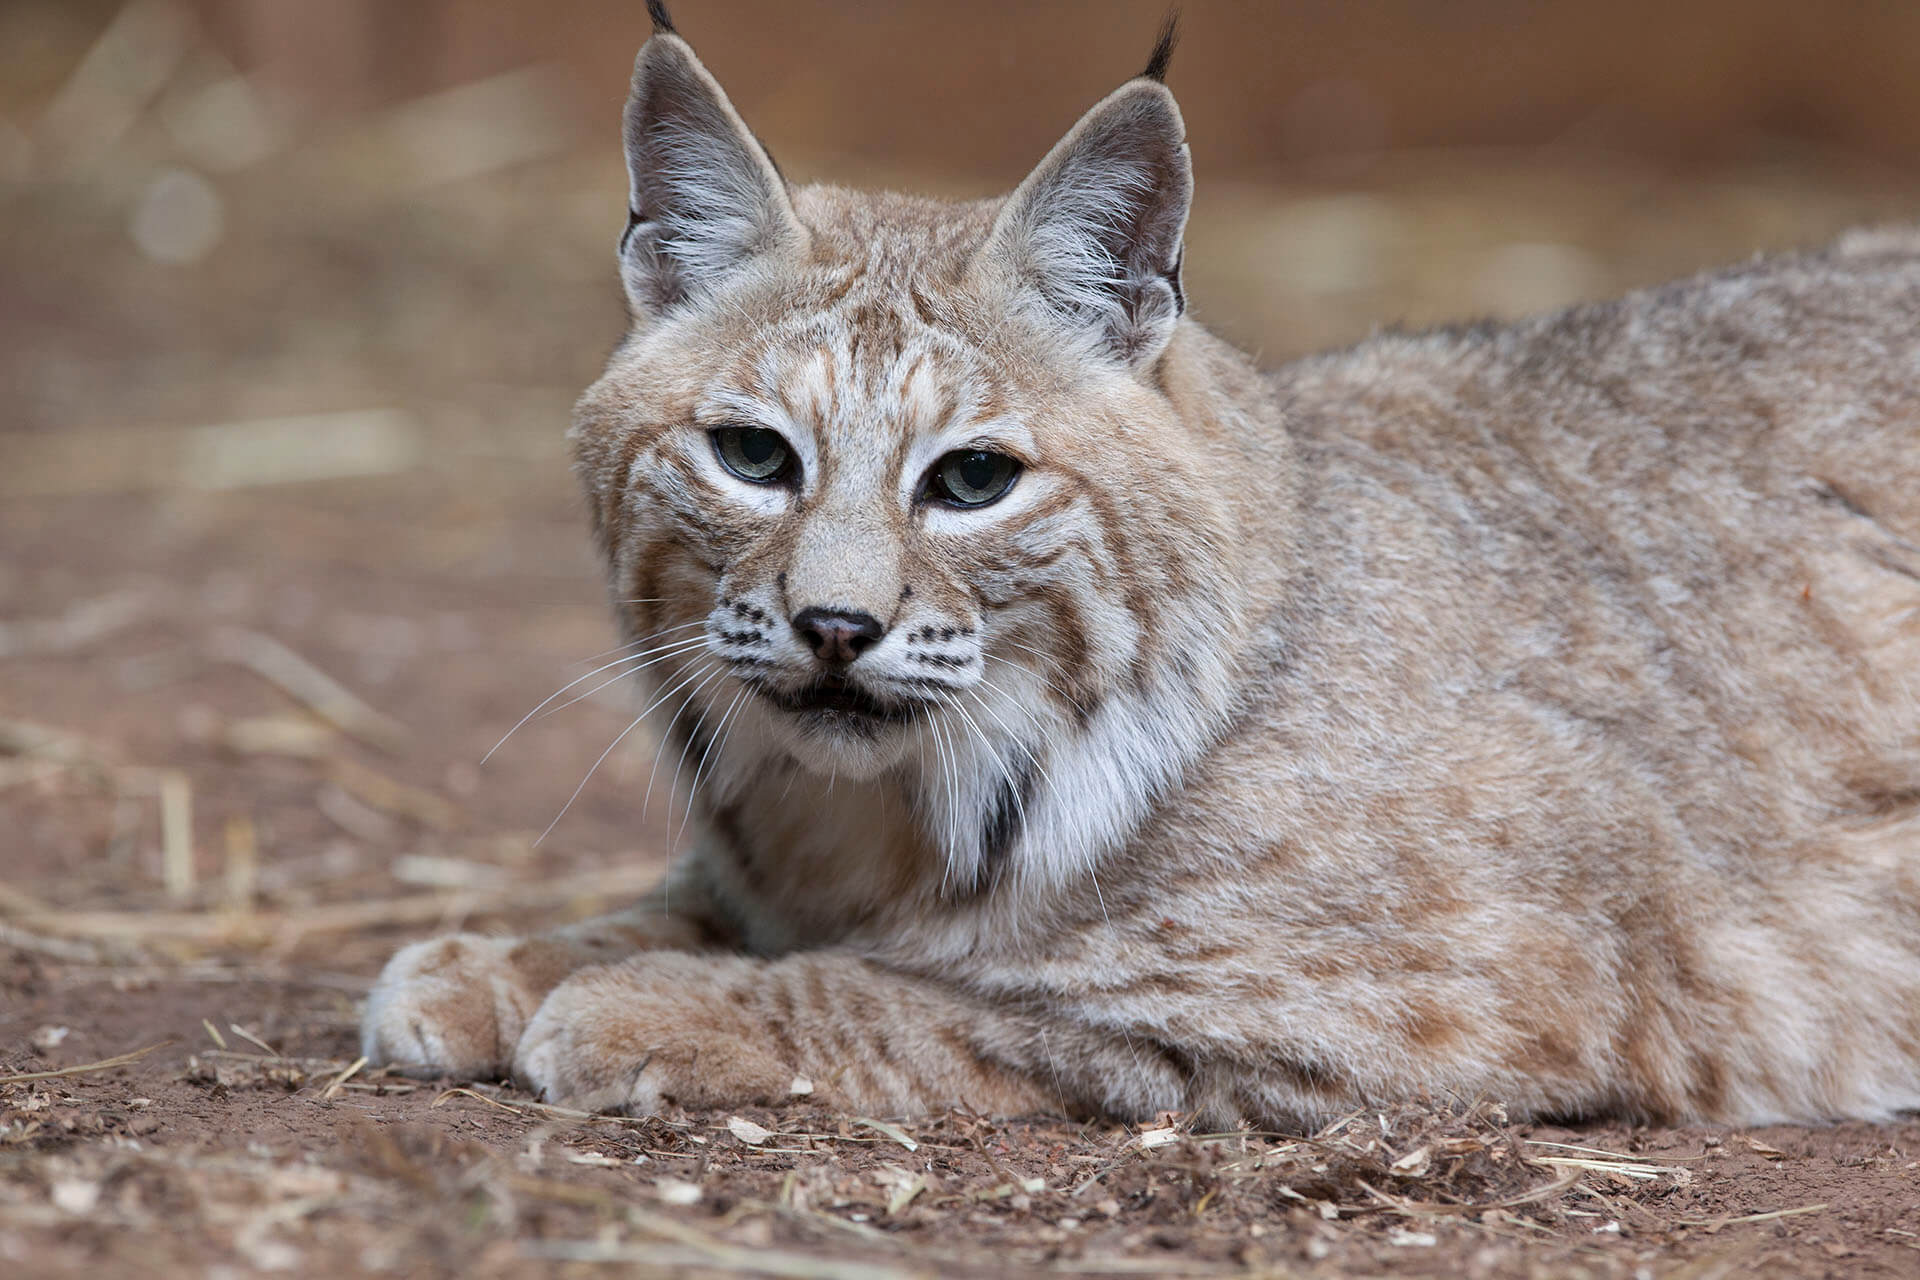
1518	712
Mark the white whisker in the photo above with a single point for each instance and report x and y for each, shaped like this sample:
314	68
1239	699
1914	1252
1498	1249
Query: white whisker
1049	685
1018	741
1019	792
952	771
676	649
563	688
654	771
700	769
940	755
590	772
673	788
646	639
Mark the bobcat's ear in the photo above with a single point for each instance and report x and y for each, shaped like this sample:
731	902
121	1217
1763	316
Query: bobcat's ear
1096	231
704	197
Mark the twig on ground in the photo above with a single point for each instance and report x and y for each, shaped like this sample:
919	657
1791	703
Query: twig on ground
300	736
339	1082
1714	1224
459	1091
313	1066
14	902
893	1131
1563	1181
307	684
1623	1168
242	863
373	788
176	834
716	1256
253	1039
82	625
85	1068
57	948
213	929
94	968
42	742
1607	1155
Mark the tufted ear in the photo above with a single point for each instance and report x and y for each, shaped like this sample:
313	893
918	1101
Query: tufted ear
1097	230
704	197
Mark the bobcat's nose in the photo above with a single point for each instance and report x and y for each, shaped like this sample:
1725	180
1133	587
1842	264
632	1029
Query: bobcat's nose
837	636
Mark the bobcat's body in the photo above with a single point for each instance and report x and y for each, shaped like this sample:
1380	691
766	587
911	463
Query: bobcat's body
1517	712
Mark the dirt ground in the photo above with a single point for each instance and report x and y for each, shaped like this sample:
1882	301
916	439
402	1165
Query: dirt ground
287	543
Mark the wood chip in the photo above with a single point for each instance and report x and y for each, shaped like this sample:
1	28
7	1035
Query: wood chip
905	1187
1148	1139
674	1191
747	1131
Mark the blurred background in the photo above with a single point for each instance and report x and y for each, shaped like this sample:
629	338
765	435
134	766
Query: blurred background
294	298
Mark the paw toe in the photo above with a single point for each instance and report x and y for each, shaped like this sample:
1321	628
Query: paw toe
442	1008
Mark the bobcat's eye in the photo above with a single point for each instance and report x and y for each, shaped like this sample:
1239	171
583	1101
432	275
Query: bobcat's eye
971	477
753	453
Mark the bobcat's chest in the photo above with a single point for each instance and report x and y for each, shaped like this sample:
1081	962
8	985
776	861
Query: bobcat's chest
811	870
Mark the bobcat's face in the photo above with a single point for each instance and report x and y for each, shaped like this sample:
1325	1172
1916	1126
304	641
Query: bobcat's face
892	489
894	508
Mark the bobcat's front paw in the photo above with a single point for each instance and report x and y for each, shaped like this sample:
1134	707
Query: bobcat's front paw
450	1006
638	1036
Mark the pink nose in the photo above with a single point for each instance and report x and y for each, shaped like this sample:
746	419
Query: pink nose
837	636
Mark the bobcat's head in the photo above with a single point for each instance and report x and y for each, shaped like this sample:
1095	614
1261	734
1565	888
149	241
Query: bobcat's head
894	488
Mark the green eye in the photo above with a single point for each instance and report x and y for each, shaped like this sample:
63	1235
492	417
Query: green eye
972	477
753	453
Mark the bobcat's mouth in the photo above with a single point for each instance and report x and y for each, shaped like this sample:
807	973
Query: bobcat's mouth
840	700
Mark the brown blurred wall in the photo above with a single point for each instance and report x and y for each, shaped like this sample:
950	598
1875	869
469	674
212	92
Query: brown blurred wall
982	87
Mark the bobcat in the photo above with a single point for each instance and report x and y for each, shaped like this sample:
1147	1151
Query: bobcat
1082	720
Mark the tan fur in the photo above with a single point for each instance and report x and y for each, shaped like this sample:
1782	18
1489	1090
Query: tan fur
1519	712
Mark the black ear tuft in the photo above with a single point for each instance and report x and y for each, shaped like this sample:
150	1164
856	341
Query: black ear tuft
663	21
1163	47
